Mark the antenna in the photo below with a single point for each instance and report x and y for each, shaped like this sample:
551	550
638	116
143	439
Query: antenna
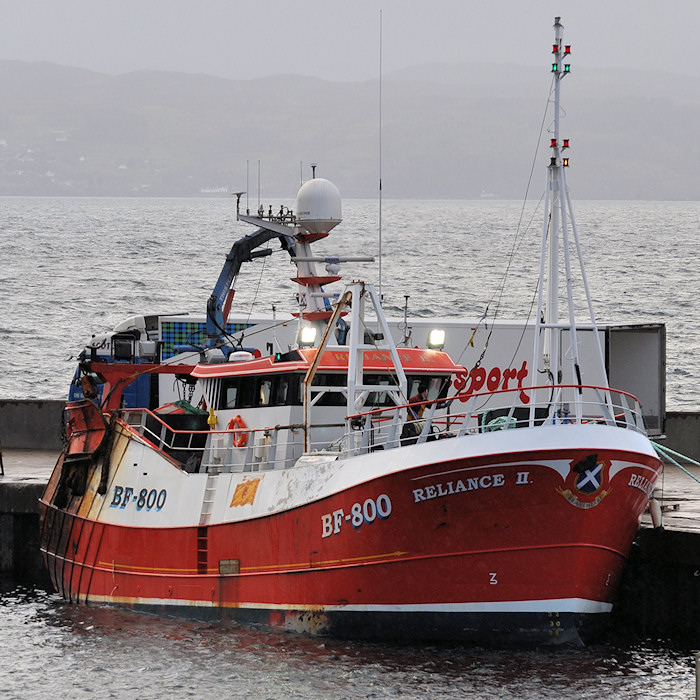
259	205
238	203
247	186
381	296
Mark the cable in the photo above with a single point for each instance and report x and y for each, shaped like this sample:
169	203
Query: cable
518	238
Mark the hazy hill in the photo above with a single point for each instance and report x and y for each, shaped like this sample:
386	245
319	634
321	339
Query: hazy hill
449	131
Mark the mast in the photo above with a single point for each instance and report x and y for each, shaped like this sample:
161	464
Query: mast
553	222
556	248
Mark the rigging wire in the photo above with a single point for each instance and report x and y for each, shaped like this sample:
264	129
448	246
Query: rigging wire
231	337
518	239
257	291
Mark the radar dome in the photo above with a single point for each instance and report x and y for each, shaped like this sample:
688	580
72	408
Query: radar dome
318	206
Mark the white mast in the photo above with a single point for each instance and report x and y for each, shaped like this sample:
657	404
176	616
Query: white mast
558	218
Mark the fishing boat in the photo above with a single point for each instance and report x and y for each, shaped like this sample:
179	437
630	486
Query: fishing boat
355	486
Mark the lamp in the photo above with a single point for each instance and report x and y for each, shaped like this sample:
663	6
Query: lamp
436	339
307	336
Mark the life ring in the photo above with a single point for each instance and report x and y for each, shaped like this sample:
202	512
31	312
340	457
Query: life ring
240	439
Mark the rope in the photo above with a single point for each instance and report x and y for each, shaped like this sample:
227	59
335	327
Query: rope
257	291
666	452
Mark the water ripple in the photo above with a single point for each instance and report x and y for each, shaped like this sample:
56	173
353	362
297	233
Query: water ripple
79	266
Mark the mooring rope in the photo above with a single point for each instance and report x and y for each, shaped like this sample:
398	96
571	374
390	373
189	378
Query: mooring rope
666	453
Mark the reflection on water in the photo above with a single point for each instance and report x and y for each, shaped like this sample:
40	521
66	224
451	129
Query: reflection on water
47	645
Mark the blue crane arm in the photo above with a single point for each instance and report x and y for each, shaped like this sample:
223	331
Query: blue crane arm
243	250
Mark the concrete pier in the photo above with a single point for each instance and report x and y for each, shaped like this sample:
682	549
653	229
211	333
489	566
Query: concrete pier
26	475
31	424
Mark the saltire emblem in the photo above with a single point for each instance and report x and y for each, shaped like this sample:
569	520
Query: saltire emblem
587	482
590	480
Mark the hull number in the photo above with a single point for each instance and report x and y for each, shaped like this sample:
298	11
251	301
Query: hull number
144	499
360	513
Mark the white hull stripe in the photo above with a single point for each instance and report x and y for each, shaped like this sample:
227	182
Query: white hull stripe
554	605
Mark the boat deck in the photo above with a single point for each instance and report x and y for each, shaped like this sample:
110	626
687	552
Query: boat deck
680	493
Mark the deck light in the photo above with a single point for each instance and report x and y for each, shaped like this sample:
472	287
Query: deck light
436	339
307	336
565	162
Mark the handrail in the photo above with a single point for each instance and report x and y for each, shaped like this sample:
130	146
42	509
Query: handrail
386	427
222	450
465	396
484	411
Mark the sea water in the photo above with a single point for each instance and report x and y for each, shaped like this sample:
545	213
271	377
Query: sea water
73	267
49	648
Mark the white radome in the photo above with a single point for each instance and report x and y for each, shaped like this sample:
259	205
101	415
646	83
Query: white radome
318	206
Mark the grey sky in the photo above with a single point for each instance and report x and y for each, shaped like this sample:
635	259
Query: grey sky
339	39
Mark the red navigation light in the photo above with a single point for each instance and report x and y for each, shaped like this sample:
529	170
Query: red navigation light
553	143
555	48
566	143
567	49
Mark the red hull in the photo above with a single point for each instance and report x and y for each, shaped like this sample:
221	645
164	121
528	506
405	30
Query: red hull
500	537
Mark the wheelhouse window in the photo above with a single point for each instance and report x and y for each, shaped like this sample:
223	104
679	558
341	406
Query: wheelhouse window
330	397
379	398
437	386
229	396
267	390
288	389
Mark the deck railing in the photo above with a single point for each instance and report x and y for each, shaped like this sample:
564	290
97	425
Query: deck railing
484	412
232	450
280	446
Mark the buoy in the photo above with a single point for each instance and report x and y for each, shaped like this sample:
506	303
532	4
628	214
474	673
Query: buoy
240	438
655	510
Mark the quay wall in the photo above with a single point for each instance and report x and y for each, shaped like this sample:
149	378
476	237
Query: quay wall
36	425
31	424
683	433
20	555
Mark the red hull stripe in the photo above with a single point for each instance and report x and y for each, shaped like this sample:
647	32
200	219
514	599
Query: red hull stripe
349	562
